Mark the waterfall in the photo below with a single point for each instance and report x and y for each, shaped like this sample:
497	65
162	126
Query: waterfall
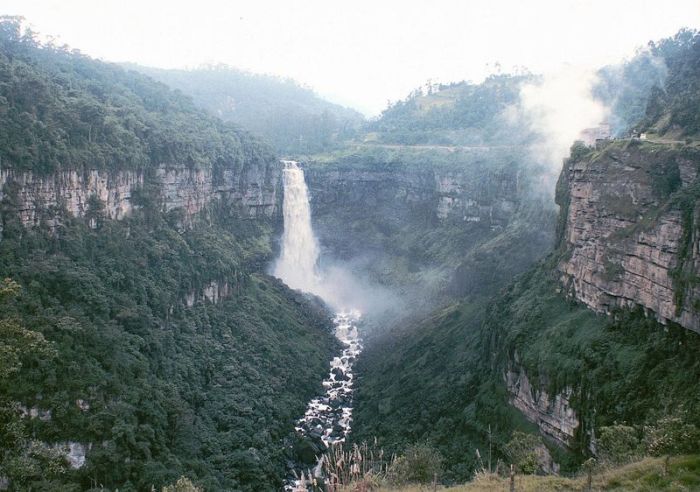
328	417
298	259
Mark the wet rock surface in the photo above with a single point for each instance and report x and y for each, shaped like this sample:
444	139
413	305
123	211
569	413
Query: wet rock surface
328	418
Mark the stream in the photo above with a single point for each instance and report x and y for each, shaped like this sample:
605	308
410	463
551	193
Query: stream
329	417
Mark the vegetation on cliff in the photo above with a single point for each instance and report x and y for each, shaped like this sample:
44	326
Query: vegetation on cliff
451	367
433	224
672	108
441	379
456	114
63	110
157	389
157	351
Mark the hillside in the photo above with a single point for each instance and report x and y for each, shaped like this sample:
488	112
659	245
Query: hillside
62	110
292	118
461	113
141	338
651	474
567	350
672	109
143	342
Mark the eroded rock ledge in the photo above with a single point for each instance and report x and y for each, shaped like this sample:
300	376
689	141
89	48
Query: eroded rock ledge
255	192
553	414
625	237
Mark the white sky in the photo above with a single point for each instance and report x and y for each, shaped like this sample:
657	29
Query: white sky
356	52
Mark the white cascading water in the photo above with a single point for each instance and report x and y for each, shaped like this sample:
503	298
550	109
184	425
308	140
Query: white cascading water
328	417
296	265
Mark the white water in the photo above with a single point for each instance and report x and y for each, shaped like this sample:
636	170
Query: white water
298	259
328	418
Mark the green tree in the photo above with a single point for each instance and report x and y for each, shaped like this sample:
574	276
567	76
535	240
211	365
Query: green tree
672	434
522	451
420	463
618	444
23	461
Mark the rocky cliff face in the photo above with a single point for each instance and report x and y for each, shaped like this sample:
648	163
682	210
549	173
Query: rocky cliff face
630	215
444	194
433	227
552	414
255	192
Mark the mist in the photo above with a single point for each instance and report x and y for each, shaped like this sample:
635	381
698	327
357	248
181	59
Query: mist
343	289
556	108
301	265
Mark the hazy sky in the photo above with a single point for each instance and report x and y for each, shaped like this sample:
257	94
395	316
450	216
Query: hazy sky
360	53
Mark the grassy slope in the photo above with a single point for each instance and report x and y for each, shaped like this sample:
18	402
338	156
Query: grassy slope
648	475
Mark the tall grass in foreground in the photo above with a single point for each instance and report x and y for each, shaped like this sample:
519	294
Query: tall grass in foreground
359	468
364	467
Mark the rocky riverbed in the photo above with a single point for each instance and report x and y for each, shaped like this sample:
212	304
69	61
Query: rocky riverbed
328	418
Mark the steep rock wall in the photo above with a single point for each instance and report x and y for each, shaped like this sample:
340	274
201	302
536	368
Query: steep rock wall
380	200
630	234
254	192
552	414
431	226
443	194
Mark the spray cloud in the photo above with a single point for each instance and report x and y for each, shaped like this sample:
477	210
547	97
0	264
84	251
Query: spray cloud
298	264
557	108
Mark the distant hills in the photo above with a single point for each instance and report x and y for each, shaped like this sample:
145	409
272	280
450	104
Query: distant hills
292	118
461	113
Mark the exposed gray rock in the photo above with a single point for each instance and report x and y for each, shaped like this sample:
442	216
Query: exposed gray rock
255	192
623	237
551	413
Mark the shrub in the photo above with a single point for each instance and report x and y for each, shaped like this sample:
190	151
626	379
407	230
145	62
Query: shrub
672	434
420	463
618	444
522	451
183	484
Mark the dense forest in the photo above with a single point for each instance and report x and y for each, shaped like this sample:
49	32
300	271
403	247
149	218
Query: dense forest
655	90
139	351
673	108
461	113
110	341
63	110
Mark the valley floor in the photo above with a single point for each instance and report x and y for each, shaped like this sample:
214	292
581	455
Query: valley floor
650	474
